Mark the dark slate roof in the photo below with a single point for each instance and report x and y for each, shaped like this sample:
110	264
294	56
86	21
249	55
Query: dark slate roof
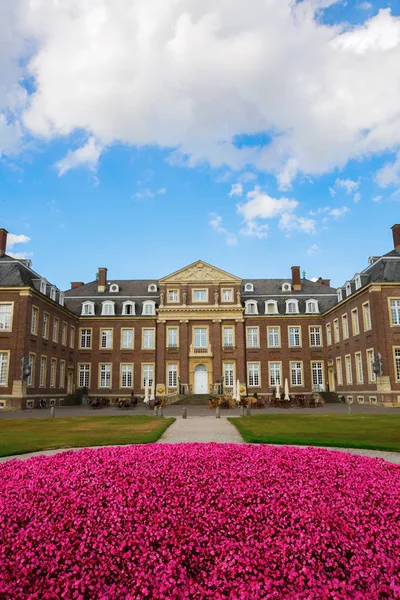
385	270
273	287
13	273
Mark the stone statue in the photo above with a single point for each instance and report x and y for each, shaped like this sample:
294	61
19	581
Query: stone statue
162	299
215	297
238	296
184	297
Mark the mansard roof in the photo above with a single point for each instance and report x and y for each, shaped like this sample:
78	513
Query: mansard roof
273	287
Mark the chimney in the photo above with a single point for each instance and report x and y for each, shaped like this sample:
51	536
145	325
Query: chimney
102	280
296	281
396	237
75	284
326	282
3	241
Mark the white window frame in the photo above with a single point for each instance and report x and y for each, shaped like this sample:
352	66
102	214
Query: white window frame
108	308
126	375
370	358
85	334
366	310
359	368
114	288
317	375
274	373
296	373
248	287
84	375
147	374
172	338
61	299
357	282
339	370
348	289
43	286
200	340
339	294
355	321
394	306
253	310
336	330
345	326
348	369
312	306
229	292
274	335
315	336
202	291
88	309
4	367
253	337
149	338
149	308
152	287
125	305
275	309
172	375
253	374
295	303
229	374
293	335
6	316
35	320
127	335
228	339
286	287
53	293
106	338
173	295
105	375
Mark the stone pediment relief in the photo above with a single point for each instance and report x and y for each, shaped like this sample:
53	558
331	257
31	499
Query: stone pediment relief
200	271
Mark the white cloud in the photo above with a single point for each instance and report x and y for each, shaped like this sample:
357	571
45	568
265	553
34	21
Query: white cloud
13	239
377	198
389	174
147	193
216	224
236	190
320	211
247	176
312	249
339	212
348	184
365	5
262	206
200	74
88	156
357	197
290	222
253	229
20	255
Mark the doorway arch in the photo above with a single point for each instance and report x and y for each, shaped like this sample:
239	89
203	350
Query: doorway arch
200	379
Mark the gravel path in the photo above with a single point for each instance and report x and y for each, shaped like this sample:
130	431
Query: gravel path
194	429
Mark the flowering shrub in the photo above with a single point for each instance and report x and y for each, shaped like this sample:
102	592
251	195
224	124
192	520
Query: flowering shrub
200	521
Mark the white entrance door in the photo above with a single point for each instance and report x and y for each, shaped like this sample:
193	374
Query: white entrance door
200	380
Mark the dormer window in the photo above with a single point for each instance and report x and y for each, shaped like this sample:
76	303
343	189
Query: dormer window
53	292
61	299
271	307
128	308
251	307
292	307
312	306
249	287
357	282
348	288
152	287
339	294
286	287
114	288
88	309
149	308
43	286
108	308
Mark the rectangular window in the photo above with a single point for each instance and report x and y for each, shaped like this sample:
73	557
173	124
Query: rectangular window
34	321
56	327
355	322
53	371
345	327
274	337
228	374
349	372
228	337
126	375
315	336
200	338
84	376
106	338
72	337
148	374
296	373
126	339
172	338
395	311
253	374
227	295
64	334
173	296
397	363
172	376
359	368
328	334
294	336
4	368
31	378
370	365
105	375
62	374
275	375
336	333
366	316
43	369
317	374
339	372
45	330
252	337
148	338
200	295
86	338
5	317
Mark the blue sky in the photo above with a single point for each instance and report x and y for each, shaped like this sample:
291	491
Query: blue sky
283	153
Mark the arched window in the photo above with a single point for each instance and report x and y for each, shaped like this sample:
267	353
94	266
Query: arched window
108	308
348	288
43	284
292	307
149	308
61	299
251	307
249	287
286	287
114	287
53	292
87	308
339	294
271	307
128	308
357	281
312	306
152	287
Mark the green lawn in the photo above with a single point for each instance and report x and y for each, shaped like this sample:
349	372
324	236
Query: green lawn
376	432
18	436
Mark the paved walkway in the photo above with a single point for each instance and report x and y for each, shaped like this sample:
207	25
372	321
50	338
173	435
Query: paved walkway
201	429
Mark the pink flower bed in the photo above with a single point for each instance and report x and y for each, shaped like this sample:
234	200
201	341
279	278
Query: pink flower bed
200	521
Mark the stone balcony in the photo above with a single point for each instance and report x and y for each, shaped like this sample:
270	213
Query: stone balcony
203	351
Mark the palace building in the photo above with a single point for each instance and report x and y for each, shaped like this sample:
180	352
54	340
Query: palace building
198	329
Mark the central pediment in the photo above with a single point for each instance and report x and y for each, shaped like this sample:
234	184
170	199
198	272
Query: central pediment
201	271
